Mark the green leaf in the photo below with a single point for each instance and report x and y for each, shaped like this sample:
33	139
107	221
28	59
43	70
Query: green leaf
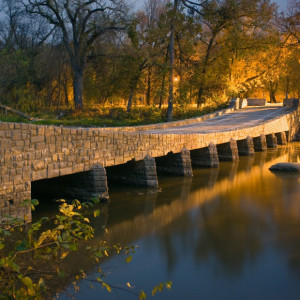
97	213
34	202
95	200
21	246
27	281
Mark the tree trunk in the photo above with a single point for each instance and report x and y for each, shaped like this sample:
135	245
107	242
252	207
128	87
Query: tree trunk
134	83
272	96
163	83
287	87
171	72
78	88
148	94
180	65
205	64
162	91
200	96
131	95
65	87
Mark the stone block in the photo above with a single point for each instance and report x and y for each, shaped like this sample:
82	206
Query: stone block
246	147
288	137
290	101
256	102
140	173
281	138
205	157
271	141
228	151
260	143
178	164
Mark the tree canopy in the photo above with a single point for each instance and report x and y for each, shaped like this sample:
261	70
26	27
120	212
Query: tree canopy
63	54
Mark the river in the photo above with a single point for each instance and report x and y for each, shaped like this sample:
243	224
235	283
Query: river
227	233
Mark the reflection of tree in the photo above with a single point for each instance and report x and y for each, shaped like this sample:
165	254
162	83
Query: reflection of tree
232	226
228	170
287	221
229	232
168	239
249	163
213	177
260	158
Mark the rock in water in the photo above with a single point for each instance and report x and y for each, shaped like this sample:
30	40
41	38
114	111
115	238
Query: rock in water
286	167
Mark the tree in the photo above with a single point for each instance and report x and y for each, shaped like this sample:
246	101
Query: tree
22	41
217	16
290	22
80	23
171	66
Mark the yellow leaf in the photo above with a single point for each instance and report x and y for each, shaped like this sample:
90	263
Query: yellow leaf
64	255
41	281
27	281
142	295
169	285
31	292
106	286
154	291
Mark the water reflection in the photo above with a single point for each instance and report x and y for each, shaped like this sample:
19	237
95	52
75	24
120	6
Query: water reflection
235	228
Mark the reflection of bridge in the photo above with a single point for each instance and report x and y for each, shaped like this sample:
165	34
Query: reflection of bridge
185	195
38	157
189	198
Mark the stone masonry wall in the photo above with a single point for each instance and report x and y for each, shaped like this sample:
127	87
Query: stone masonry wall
31	152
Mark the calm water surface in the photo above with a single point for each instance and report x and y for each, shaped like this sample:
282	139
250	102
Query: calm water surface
227	233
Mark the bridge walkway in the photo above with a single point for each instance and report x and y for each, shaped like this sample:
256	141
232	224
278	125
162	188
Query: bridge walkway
247	117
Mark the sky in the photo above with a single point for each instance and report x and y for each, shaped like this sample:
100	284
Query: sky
282	4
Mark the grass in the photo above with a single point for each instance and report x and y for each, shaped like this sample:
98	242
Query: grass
113	117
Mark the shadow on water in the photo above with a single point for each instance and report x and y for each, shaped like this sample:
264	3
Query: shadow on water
236	227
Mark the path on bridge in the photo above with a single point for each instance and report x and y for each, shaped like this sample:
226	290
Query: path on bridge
246	117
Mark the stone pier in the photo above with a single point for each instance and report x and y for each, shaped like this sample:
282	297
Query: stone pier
141	173
205	157
178	164
281	138
12	204
260	143
82	186
271	141
228	151
288	136
246	147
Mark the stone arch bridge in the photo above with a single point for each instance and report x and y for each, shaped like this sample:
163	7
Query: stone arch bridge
75	162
